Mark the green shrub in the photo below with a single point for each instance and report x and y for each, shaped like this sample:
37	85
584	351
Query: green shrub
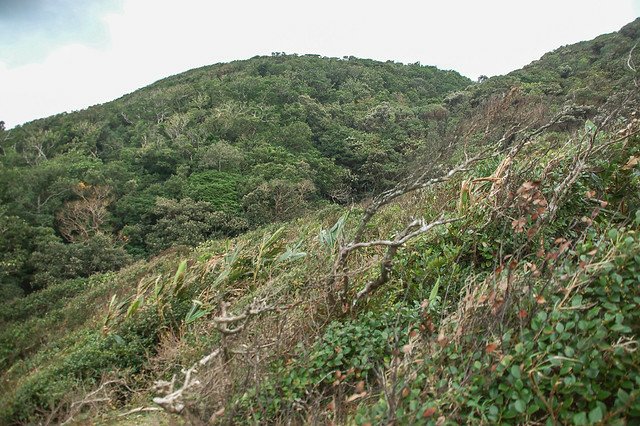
348	352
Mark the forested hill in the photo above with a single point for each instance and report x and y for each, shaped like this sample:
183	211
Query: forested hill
307	240
210	152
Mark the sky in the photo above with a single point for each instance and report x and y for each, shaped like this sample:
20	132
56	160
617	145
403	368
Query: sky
64	55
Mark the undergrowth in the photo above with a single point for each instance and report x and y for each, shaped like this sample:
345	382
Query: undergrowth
523	311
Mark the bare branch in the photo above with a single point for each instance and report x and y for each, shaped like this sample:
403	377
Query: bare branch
630	63
512	142
99	395
139	410
173	399
415	228
411	184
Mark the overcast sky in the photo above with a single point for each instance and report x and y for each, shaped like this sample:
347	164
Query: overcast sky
63	55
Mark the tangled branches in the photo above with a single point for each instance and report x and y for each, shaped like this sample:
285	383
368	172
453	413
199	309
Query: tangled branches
227	324
514	139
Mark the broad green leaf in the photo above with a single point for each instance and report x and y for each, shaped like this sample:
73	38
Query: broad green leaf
515	371
580	419
595	415
520	406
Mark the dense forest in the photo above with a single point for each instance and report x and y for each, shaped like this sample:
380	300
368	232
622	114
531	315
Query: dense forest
300	239
211	152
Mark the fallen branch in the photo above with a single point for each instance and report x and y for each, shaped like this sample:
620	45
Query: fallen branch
411	184
139	410
90	399
254	308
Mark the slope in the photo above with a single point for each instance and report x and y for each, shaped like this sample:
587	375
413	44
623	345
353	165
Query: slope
512	298
210	152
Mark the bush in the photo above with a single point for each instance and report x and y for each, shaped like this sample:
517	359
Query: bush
57	261
347	352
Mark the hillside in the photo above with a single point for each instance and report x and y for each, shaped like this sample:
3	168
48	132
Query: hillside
211	152
312	240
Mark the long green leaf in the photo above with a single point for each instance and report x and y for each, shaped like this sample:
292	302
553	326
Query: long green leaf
180	272
434	293
291	254
195	312
330	237
135	305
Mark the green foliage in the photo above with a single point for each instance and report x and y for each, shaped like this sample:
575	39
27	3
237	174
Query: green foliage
120	344
188	222
19	242
347	352
55	260
85	362
235	136
219	189
223	157
573	362
277	200
474	326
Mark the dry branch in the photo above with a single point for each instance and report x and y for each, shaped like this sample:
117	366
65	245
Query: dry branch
413	183
415	228
173	400
100	395
514	139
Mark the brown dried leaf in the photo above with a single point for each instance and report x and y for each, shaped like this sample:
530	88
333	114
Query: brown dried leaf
442	340
355	396
429	412
491	347
518	224
551	255
633	161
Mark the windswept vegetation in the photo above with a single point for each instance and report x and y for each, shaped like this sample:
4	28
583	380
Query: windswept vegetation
296	239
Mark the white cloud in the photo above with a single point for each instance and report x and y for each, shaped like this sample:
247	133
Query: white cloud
150	40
